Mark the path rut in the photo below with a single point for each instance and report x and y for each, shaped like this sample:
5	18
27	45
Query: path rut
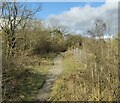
54	72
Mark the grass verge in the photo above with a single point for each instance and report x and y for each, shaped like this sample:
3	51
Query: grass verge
64	88
77	83
24	76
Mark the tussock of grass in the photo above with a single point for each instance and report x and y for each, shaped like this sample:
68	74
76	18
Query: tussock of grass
77	84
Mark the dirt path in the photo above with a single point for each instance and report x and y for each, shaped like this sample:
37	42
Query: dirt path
54	72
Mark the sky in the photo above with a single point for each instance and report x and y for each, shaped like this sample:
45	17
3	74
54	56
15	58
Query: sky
78	17
55	8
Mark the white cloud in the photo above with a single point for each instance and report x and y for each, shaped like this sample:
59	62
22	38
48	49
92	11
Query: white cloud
80	19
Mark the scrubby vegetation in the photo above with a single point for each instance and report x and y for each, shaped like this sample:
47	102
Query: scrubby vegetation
81	80
90	63
28	51
91	74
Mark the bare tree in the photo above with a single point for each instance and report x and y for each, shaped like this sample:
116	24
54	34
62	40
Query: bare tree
98	49
100	28
55	25
15	15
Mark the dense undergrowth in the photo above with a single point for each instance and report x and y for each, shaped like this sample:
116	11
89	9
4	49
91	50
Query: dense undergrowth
82	81
24	76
